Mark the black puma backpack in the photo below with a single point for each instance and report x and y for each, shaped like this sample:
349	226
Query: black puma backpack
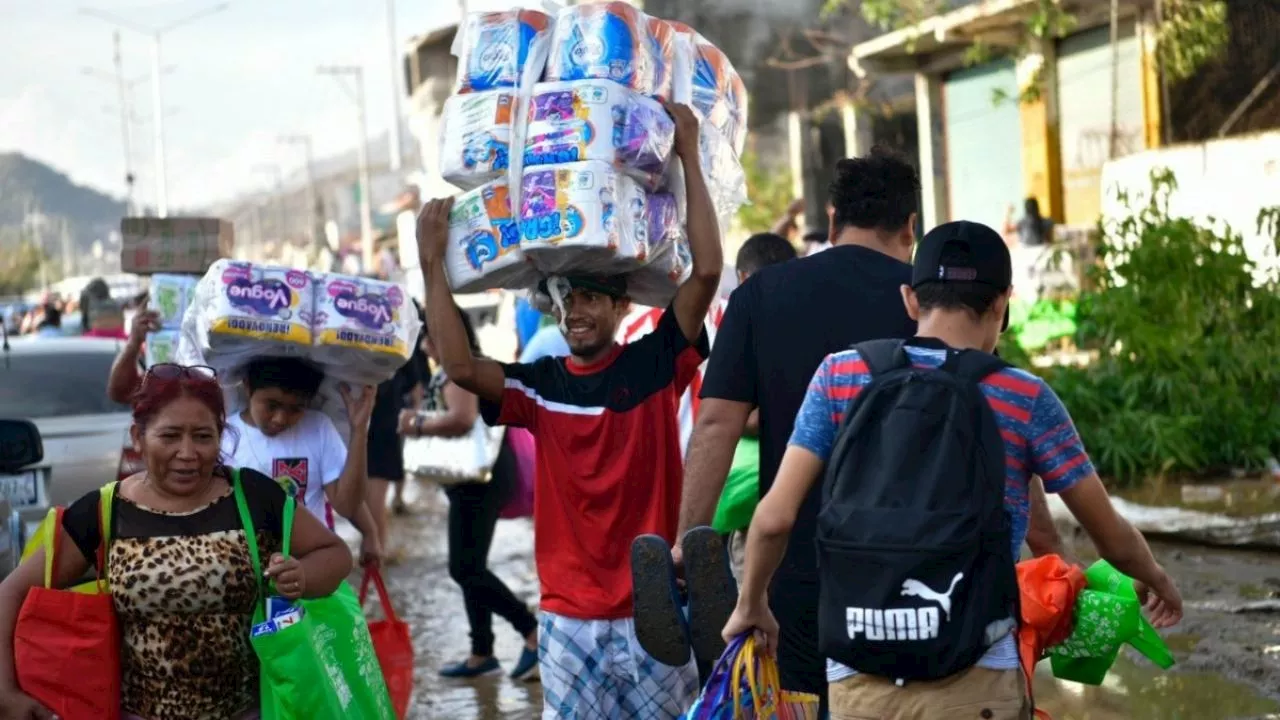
914	544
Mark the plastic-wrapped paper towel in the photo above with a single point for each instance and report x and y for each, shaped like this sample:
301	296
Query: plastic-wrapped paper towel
475	137
169	296
365	329
240	311
662	56
498	50
602	41
484	241
599	120
715	89
583	217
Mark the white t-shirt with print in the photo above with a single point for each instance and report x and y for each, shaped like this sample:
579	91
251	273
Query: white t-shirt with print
311	454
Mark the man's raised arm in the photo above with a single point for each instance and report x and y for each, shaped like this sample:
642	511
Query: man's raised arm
481	376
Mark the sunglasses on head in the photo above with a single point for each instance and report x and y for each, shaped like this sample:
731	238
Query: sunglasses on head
173	371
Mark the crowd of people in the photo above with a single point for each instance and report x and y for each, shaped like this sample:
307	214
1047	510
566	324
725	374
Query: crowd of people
91	313
791	369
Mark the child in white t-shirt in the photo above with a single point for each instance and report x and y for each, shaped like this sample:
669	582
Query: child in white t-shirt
281	437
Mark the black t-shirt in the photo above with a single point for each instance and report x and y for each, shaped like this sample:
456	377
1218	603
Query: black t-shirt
777	329
391	394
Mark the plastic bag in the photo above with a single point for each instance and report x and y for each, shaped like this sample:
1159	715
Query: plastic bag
364	330
484	241
602	41
393	644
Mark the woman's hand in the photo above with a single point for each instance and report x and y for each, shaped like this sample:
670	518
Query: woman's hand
288	575
408	425
15	705
753	617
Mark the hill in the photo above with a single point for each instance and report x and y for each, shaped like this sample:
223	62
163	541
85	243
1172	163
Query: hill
26	184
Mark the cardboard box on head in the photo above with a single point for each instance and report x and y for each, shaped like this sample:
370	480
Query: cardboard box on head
184	246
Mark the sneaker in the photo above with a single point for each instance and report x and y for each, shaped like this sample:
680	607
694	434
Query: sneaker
660	623
463	670
526	669
713	593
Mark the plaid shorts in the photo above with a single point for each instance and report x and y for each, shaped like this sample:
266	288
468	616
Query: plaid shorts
596	670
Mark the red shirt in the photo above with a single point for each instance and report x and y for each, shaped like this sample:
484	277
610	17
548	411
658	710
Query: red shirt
117	334
609	462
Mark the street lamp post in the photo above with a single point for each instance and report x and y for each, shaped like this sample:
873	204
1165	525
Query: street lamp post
394	147
362	157
157	94
313	214
124	89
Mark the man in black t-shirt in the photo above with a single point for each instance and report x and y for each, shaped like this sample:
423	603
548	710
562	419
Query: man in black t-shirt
778	327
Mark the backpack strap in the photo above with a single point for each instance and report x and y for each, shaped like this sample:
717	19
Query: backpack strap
881	356
973	366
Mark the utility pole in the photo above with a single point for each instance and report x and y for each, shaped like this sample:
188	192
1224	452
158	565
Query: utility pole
393	48
315	212
362	157
157	94
128	120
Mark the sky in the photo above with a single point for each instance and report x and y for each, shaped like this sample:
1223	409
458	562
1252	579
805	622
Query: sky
240	78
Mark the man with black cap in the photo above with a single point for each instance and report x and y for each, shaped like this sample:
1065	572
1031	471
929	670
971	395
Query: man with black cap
959	294
609	454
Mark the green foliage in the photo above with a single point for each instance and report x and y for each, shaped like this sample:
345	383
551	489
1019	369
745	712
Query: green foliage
1187	379
1194	32
19	268
770	193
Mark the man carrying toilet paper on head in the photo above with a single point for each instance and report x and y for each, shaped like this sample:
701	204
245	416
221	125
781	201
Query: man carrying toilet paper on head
608	453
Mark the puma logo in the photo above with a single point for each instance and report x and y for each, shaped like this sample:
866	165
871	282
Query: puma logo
915	588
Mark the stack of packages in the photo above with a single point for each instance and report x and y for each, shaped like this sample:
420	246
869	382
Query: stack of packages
558	137
358	331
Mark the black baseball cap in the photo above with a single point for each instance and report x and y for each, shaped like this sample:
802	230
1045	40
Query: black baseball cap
963	251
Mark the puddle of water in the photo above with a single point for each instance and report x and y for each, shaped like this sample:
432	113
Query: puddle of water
1237	498
1140	691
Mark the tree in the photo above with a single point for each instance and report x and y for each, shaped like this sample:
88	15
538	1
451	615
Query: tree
770	193
20	268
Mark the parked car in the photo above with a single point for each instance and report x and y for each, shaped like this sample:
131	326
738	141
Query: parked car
20	448
60	384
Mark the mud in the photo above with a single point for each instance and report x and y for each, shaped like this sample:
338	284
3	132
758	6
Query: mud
1228	662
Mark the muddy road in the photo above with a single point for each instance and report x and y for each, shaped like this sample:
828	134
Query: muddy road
1228	662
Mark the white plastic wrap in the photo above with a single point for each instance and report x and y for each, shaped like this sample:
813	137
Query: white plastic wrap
364	329
501	50
599	120
662	57
475	137
655	284
717	91
583	217
726	180
484	241
169	296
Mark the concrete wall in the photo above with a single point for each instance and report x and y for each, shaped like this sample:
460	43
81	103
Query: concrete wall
1230	180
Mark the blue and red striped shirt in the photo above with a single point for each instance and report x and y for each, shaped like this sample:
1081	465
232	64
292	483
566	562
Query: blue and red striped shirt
1039	439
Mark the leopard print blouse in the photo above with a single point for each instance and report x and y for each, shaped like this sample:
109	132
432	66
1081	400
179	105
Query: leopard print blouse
184	591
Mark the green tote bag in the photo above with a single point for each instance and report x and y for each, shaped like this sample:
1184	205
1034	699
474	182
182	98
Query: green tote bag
322	667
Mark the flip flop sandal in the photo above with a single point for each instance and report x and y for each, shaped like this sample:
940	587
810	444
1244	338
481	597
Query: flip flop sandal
659	619
713	593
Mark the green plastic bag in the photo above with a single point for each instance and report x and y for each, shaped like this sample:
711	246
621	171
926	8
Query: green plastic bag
323	667
1108	615
741	489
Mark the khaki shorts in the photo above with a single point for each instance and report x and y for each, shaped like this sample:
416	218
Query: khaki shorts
975	694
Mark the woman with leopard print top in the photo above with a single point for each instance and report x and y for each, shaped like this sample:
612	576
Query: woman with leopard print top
181	576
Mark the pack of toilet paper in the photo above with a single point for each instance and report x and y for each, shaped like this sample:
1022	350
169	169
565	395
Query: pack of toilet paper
718	92
501	50
161	347
605	41
475	137
484	241
583	217
240	310
599	120
364	329
359	331
168	297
